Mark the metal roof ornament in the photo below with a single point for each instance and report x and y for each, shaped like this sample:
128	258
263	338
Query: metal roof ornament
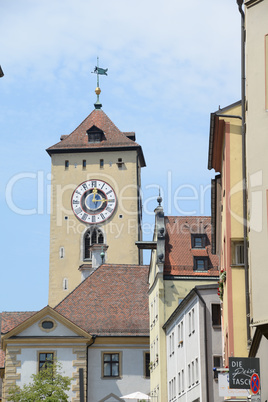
159	198
99	71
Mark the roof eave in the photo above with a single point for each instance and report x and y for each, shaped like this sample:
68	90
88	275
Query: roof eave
100	149
211	140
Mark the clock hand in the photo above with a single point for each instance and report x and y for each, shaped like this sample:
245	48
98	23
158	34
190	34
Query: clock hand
94	191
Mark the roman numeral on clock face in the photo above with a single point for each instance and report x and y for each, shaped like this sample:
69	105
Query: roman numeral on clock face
84	217
93	201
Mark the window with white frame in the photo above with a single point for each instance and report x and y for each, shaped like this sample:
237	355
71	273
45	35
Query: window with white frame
180	334
190	322
237	252
171	344
196	370
193	373
152	314
156	307
189	376
193	320
179	383
182	380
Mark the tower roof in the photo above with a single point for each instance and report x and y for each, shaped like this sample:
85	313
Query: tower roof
112	138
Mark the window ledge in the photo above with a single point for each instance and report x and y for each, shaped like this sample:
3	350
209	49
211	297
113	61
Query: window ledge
237	265
112	378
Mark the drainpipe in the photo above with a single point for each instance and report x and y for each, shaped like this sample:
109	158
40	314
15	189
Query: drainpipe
244	173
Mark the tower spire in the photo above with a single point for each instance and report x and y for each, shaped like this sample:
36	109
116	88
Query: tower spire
99	71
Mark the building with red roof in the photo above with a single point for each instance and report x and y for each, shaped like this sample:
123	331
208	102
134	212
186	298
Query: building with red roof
181	259
103	328
98	316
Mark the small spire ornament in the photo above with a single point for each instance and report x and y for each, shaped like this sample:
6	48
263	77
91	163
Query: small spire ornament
99	71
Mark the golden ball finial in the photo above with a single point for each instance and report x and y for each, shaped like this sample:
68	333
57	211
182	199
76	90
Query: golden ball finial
97	91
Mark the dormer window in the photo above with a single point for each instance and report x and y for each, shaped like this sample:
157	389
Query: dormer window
198	240
95	134
200	263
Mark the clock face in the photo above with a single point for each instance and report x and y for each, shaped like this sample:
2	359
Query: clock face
93	201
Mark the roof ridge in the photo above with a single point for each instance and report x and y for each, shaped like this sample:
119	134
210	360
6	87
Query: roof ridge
26	311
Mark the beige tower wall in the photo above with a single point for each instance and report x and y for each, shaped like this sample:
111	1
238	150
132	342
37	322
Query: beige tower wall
121	231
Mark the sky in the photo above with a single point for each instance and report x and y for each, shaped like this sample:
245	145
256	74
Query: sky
170	64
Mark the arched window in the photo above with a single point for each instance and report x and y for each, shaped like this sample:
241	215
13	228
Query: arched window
92	236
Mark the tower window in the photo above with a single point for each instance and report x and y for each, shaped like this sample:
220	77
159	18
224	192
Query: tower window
65	284
120	162
101	163
92	236
66	165
84	164
61	252
95	134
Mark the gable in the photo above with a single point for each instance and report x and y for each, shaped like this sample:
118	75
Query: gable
56	326
46	327
111	398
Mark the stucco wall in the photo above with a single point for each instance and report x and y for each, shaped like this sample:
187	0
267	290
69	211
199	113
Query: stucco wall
132	371
67	231
257	145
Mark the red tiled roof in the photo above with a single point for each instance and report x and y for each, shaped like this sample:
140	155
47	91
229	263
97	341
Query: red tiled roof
78	139
111	301
179	254
11	319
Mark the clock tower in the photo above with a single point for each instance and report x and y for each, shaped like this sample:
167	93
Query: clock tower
95	202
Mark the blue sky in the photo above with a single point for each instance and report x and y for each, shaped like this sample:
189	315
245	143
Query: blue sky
170	64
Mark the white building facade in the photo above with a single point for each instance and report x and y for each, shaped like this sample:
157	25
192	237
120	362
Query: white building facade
193	343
